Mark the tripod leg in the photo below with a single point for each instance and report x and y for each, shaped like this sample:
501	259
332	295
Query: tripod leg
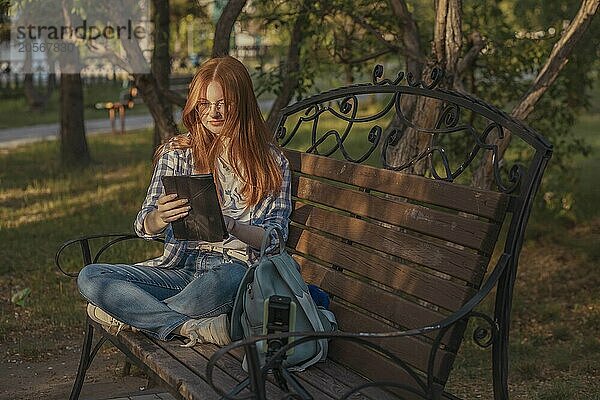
295	385
239	387
257	382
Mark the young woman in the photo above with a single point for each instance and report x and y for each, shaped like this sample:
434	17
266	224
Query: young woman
191	288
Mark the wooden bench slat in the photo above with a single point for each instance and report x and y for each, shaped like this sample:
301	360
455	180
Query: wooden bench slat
373	366
172	371
372	299
479	202
473	233
328	383
459	263
325	376
351	379
197	362
442	292
410	349
230	364
316	391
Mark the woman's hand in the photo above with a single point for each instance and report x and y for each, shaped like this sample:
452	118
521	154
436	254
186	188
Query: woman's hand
170	209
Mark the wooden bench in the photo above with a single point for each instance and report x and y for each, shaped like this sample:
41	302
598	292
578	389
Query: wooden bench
130	96
404	257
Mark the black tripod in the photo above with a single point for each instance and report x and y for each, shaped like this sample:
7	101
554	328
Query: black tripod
279	318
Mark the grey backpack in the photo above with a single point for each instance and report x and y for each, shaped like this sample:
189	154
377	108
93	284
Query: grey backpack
271	284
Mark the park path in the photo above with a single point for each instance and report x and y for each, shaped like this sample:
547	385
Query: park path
11	137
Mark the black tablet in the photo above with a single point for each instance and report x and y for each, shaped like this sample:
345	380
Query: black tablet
205	220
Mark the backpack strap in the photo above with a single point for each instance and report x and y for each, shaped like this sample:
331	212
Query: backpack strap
236	330
267	240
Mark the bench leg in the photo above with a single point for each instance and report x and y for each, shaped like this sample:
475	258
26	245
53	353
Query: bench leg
111	116
500	346
122	118
87	356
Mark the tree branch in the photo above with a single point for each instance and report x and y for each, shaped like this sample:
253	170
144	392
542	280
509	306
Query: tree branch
468	61
224	26
172	96
290	78
410	37
378	35
559	56
363	59
470	57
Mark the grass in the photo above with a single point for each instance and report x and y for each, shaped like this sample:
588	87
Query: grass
555	349
14	111
41	206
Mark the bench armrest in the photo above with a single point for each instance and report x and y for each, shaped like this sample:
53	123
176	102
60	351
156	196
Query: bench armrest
84	243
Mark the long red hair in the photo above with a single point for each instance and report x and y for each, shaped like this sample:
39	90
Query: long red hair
250	141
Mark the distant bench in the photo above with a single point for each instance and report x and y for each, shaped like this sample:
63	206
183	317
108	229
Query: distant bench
130	96
404	255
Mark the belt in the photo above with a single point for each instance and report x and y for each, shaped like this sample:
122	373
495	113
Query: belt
238	254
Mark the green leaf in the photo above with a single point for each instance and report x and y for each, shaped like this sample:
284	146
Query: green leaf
20	297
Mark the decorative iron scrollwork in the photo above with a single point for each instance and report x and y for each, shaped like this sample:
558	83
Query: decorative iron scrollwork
436	76
484	337
378	73
450	116
343	105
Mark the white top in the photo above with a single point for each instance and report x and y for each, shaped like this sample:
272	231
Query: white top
234	206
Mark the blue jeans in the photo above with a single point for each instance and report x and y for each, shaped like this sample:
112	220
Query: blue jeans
158	300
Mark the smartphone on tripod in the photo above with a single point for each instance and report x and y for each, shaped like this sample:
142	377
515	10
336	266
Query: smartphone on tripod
279	316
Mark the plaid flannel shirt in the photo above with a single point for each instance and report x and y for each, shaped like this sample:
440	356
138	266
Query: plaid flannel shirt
273	210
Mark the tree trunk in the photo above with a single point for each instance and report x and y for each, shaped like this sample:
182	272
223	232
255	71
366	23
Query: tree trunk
290	70
484	176
36	101
425	112
159	107
161	69
224	27
447	43
73	143
410	37
414	61
149	85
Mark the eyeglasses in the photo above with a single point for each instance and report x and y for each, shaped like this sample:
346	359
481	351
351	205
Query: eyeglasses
204	107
